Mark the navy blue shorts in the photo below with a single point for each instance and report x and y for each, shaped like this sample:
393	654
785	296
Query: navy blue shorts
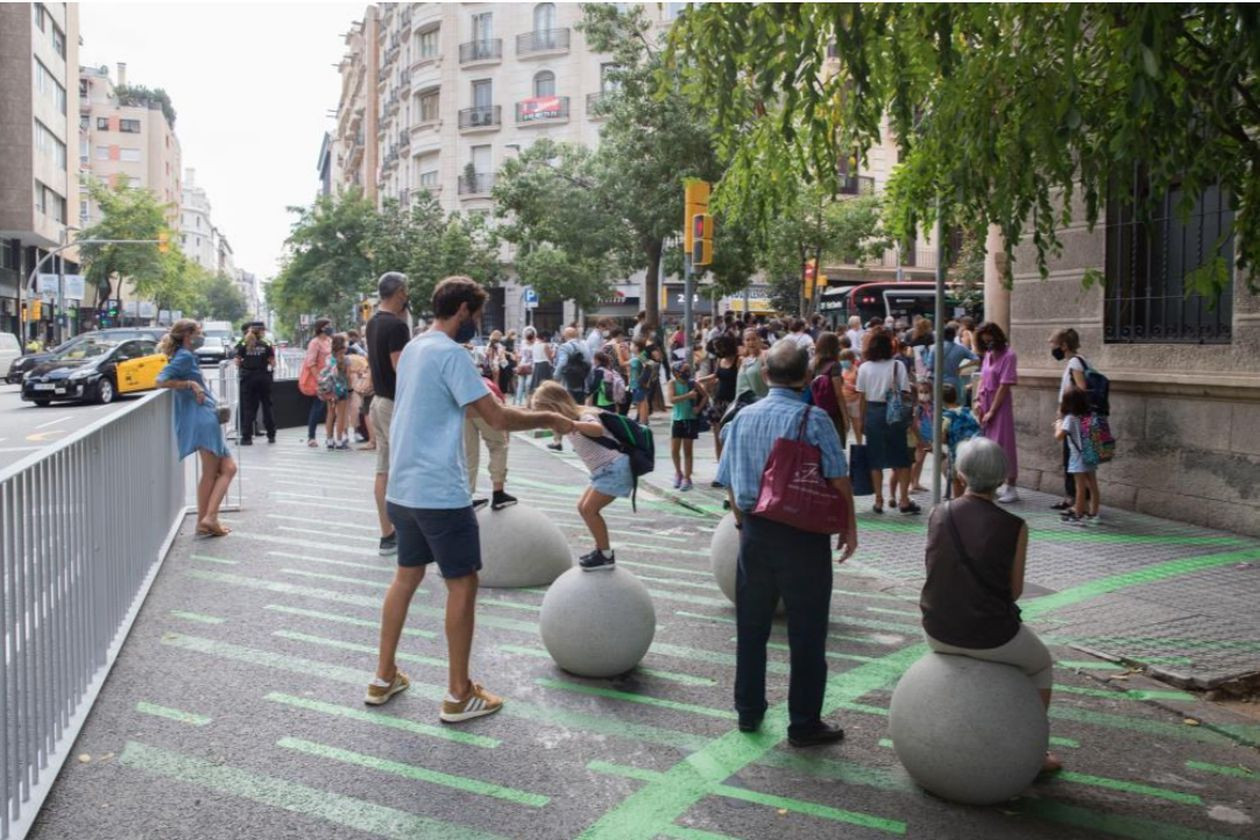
450	538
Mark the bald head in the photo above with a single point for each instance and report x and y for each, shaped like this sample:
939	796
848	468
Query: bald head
787	364
570	333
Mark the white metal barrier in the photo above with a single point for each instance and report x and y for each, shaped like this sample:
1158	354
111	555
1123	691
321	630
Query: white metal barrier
84	527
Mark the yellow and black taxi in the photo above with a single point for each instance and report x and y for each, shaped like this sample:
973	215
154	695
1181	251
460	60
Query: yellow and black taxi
97	369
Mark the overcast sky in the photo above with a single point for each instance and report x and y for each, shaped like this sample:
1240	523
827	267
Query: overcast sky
251	85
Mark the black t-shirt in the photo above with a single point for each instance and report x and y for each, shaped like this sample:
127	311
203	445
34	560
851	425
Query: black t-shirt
259	357
386	334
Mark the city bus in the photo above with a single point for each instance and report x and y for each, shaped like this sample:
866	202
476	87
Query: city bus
881	299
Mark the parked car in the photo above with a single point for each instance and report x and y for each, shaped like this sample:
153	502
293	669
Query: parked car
10	351
218	342
95	369
19	366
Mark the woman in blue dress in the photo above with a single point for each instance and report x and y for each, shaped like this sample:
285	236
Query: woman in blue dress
197	427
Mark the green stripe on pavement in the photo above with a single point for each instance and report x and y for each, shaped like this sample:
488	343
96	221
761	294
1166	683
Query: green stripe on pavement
372	567
1118	825
295	636
1128	694
172	714
672	676
812	809
412	771
1089	665
375	584
1238	772
1128	787
200	618
499	602
346	619
287	588
683	833
631	697
1060	711
378	718
658	567
208	559
301	799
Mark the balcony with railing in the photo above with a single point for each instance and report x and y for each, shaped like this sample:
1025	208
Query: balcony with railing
472	185
480	52
857	185
480	118
540	110
592	104
404	139
542	41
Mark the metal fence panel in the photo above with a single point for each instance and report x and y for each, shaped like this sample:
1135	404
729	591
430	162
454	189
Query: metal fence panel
77	558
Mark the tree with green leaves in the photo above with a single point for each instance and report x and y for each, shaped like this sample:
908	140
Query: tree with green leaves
219	299
1014	114
127	214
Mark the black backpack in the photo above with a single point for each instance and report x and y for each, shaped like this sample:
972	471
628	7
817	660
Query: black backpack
633	439
1099	388
576	369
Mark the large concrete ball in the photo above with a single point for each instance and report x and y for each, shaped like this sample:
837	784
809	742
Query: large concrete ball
598	623
967	730
724	558
520	546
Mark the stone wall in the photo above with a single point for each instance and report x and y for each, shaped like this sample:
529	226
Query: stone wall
1186	417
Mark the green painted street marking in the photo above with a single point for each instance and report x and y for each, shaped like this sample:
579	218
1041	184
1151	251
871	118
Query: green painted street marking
683	833
631	697
714	657
358	648
690	551
1165	660
375	584
200	618
1128	694
1117	825
799	806
886	611
347	563
1238	772
880	596
696	600
831	653
347	619
672	738
1090	665
412	771
208	559
499	602
352	813
840	770
1128	787
1137	577
656	566
672	676
1149	727
711	586
378	718
288	588
172	714
289	542
724	619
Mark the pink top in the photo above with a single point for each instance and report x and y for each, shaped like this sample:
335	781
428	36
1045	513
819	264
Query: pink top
998	369
317	353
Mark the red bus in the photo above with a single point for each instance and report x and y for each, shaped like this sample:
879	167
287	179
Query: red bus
881	299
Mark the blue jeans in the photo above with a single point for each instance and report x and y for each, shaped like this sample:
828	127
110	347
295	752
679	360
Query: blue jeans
780	561
319	411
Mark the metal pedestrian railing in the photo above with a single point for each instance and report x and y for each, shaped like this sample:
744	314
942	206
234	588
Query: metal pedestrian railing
84	527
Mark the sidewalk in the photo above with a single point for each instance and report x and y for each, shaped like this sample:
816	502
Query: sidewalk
235	707
1178	600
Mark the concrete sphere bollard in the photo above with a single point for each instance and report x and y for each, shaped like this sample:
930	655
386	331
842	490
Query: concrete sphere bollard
599	623
520	547
967	730
724	558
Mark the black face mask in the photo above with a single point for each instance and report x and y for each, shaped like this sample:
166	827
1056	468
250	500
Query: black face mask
328	330
1058	354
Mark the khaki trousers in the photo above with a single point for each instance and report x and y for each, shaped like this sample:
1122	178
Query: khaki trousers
475	431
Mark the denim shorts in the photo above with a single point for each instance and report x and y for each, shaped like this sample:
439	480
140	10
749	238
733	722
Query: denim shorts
614	478
638	395
450	538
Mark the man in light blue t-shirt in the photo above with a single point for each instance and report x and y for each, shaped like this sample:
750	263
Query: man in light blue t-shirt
427	497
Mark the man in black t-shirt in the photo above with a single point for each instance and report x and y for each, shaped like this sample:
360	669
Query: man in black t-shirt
387	335
255	360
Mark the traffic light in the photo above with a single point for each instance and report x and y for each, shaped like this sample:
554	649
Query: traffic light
164	242
696	196
36	311
811	272
702	239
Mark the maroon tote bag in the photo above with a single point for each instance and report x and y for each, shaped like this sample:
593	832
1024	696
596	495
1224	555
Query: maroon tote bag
793	490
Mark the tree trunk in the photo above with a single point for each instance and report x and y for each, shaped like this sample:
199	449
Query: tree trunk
652	284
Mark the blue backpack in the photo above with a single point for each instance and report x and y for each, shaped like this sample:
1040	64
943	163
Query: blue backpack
962	426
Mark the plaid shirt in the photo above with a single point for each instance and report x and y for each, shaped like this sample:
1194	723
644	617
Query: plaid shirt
748	439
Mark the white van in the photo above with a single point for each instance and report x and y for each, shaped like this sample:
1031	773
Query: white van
10	349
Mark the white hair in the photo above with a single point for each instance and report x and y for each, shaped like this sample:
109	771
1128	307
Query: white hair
982	464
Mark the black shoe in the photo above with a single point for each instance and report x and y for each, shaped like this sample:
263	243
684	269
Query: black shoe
597	560
501	500
1062	505
389	545
478	504
749	723
271	438
247	442
911	509
826	733
557	446
717	485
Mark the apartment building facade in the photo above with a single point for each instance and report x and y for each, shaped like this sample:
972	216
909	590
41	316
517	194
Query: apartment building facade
39	187
352	158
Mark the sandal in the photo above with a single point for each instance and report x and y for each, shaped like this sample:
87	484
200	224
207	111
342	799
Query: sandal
879	507
910	509
213	531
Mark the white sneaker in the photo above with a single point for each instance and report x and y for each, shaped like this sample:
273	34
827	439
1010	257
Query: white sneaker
1008	495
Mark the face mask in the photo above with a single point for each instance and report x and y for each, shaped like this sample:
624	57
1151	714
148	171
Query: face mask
1058	354
465	332
406	307
196	342
328	330
925	398
846	365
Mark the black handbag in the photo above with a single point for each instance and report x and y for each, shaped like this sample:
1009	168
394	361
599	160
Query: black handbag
859	472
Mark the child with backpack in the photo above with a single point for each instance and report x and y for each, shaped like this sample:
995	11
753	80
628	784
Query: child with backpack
922	426
958	425
611	474
685	397
1082	459
605	389
334	389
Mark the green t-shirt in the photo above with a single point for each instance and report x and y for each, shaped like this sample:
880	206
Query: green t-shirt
685	410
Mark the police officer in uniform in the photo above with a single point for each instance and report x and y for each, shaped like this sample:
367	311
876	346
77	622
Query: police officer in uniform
255	358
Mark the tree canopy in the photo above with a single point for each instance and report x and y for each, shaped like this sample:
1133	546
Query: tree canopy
128	214
1013	113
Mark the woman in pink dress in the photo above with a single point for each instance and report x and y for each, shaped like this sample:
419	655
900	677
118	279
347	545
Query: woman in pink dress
998	375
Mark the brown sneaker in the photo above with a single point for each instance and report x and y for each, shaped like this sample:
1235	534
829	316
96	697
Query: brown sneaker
379	694
480	702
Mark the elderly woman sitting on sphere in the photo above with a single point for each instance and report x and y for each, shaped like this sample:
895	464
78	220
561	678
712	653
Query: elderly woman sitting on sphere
975	574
